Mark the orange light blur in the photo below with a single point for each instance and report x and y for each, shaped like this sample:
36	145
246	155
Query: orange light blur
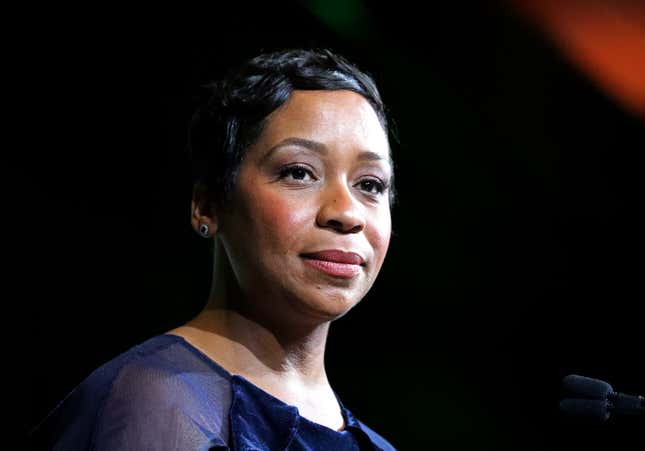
604	38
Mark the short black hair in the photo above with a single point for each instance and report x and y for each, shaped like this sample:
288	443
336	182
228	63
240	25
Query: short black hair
234	110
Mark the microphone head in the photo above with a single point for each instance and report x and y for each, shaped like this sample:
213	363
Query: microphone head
591	409
585	387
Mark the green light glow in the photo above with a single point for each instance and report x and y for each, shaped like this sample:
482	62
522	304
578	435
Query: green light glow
347	17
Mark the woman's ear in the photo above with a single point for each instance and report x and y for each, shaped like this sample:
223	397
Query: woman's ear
203	215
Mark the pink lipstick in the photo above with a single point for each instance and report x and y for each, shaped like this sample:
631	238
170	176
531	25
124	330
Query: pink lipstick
335	262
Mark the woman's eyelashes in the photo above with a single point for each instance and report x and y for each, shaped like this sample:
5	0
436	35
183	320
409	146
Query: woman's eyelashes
296	172
300	174
372	186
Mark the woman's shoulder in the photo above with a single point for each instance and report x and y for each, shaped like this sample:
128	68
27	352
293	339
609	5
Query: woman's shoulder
162	369
156	391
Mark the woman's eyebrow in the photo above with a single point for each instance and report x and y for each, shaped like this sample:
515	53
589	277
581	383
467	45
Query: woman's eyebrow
317	147
370	156
301	142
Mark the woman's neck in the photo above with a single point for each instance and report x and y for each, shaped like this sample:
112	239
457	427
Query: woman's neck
255	351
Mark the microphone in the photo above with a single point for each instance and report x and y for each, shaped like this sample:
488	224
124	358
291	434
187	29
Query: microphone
596	399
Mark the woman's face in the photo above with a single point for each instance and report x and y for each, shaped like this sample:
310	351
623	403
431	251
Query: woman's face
316	180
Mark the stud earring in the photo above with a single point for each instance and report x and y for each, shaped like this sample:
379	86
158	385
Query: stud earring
203	230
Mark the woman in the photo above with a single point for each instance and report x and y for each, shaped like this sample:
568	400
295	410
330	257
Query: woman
292	186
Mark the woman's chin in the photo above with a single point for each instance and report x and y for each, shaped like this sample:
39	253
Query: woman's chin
327	305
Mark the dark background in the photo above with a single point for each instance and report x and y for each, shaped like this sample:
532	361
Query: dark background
517	255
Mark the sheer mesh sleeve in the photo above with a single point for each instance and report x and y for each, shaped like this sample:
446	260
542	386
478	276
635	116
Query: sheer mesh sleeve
152	408
160	397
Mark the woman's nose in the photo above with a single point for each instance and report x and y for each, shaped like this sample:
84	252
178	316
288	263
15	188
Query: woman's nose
340	210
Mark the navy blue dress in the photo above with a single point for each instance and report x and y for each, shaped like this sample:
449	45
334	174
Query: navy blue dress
165	394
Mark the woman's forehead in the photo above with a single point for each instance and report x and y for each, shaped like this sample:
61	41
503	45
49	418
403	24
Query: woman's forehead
337	118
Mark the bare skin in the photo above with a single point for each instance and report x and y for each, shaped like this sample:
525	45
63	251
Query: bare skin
268	313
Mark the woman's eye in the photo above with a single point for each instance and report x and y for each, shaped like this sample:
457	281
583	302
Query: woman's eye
372	186
295	173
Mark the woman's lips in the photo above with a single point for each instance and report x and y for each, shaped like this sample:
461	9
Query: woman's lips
337	256
344	270
335	262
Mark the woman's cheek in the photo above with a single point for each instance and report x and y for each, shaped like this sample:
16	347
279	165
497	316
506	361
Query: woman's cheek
380	235
283	215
